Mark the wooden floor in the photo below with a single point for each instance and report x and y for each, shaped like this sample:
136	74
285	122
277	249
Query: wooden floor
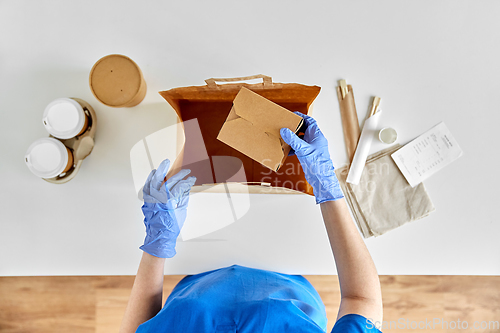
96	304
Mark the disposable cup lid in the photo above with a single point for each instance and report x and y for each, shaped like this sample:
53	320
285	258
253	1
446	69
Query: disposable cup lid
47	157
115	80
64	118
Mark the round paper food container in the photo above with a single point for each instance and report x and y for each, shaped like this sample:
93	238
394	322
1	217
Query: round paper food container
117	81
64	118
48	158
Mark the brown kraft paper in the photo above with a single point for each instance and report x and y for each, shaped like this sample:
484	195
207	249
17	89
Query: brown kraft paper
350	122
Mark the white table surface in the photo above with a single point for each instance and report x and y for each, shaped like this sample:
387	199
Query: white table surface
429	61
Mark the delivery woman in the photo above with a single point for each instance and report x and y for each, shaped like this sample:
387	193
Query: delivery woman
241	299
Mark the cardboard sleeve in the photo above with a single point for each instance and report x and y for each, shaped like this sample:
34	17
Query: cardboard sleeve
350	122
211	105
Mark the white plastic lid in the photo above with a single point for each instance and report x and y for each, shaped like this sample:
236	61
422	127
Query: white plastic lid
388	135
64	118
47	157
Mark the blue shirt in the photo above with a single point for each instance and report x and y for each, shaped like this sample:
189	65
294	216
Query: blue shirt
246	300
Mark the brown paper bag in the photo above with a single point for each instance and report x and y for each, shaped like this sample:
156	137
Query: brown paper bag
210	105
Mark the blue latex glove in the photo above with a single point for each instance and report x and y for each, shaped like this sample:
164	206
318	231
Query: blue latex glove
312	152
165	208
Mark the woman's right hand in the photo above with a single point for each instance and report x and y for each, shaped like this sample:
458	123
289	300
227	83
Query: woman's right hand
165	209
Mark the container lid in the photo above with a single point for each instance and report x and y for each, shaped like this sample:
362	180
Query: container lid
388	135
64	118
115	80
47	157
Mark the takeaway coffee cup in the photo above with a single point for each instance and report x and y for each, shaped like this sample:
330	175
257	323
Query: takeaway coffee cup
48	158
65	118
117	81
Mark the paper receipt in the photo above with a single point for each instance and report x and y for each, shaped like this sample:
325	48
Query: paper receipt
427	154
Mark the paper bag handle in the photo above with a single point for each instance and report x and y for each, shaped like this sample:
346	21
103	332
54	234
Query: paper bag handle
267	80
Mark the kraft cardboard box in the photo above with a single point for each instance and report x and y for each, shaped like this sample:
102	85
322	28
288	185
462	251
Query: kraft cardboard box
253	128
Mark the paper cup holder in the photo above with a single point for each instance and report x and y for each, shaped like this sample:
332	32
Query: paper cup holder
80	146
